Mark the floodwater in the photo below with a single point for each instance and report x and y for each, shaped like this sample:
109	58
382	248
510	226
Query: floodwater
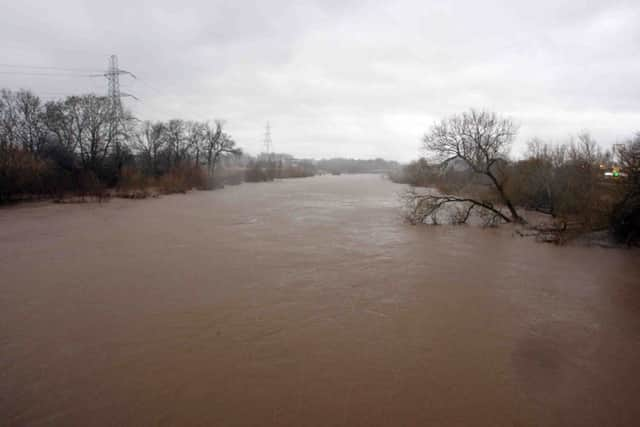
306	302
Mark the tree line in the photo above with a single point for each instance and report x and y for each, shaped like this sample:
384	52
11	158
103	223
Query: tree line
468	167
86	144
348	166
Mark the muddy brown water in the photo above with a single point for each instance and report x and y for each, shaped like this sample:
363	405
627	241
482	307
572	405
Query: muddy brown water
306	302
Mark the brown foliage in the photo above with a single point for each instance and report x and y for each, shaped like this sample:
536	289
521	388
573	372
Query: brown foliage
183	178
22	174
625	220
565	181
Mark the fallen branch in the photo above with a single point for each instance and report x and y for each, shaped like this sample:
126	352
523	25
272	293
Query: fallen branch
422	206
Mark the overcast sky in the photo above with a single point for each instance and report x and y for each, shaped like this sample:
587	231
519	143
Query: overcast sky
341	77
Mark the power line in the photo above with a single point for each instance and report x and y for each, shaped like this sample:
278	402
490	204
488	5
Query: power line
47	74
150	87
59	94
43	67
112	75
268	144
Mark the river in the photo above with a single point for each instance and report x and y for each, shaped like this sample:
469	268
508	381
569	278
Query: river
306	302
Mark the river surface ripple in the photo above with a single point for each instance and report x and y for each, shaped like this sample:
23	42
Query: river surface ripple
306	302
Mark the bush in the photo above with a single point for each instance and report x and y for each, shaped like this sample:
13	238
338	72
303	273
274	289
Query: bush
132	179
301	169
22	174
183	178
89	185
565	181
229	176
625	219
257	172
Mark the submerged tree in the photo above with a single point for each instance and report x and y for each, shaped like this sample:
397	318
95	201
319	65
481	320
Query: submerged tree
480	142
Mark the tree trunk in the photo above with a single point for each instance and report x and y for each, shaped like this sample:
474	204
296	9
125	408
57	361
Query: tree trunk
512	210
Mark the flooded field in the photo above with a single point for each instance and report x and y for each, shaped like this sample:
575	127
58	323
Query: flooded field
306	303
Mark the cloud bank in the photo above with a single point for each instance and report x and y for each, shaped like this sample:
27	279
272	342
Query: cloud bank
344	78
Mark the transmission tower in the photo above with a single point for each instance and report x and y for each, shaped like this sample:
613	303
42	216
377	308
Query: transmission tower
115	97
113	86
268	144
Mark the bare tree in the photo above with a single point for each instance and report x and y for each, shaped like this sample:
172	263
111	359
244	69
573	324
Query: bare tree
31	130
82	124
121	131
176	142
22	120
8	119
481	141
195	136
94	121
149	142
218	143
60	124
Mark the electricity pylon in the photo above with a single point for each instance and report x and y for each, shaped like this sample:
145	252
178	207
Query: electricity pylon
268	144
115	97
113	85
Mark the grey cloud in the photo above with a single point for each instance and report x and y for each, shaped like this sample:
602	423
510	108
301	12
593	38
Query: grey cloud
346	78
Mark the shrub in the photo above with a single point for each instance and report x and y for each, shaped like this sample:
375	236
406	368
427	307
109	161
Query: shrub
257	172
625	219
229	176
183	178
89	185
132	179
22	174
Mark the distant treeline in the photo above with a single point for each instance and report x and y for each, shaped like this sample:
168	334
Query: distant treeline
342	165
267	167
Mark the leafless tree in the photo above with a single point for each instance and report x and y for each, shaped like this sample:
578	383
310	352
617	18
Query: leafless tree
31	130
218	143
93	117
22	120
8	119
195	136
481	141
150	140
121	130
62	124
82	123
176	142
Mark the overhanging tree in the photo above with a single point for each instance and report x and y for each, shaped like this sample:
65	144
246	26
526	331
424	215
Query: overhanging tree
481	140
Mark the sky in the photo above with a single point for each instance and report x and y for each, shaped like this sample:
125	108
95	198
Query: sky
341	77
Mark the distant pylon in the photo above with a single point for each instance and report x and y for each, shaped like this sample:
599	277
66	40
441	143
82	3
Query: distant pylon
268	144
117	114
113	86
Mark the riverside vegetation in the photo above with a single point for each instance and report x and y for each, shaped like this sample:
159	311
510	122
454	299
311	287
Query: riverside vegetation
83	147
577	186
